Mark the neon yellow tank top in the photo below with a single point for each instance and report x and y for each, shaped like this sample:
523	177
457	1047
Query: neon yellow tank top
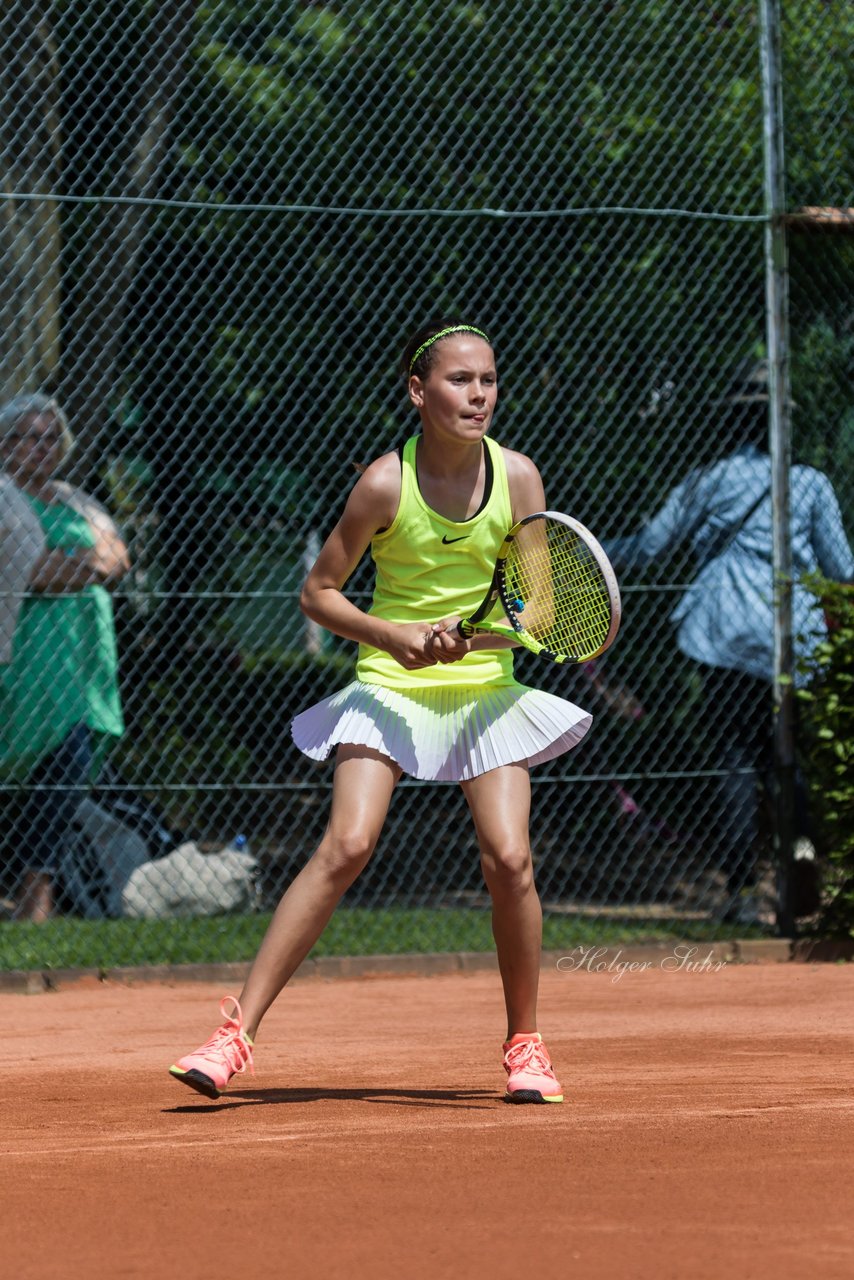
429	567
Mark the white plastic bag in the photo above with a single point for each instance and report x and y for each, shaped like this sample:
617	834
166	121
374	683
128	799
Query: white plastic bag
191	883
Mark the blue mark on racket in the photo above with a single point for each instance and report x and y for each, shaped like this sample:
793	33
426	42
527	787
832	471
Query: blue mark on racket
519	605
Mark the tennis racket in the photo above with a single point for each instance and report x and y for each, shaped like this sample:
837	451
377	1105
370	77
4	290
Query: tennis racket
557	588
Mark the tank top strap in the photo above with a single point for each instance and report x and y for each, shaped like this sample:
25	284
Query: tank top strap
500	488
408	473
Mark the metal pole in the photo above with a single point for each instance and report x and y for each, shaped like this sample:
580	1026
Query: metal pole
780	447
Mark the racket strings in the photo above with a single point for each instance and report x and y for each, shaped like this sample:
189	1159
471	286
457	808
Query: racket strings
556	587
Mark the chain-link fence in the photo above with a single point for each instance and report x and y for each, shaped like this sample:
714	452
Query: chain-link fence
220	221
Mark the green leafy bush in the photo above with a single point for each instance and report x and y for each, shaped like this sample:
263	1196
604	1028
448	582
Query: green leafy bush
827	745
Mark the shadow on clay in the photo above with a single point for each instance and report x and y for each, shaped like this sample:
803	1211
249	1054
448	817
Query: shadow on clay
466	1099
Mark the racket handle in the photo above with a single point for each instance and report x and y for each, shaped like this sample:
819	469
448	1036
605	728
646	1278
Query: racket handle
464	629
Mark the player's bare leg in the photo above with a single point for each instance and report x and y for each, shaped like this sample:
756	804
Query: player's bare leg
362	788
500	804
361	791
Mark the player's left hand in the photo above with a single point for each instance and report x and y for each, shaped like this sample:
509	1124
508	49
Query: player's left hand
447	644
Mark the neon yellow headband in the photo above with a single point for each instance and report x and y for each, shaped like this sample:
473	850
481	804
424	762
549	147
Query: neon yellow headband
443	333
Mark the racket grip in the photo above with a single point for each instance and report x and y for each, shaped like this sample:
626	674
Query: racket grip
464	629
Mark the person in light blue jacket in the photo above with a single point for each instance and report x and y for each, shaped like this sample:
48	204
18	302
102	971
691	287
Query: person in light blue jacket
724	619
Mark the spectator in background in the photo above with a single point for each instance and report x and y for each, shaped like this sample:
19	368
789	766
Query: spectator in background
59	554
725	621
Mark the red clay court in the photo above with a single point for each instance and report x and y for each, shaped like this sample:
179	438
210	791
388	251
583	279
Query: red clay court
707	1131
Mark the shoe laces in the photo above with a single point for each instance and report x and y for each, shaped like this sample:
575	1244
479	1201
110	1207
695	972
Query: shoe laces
230	1039
529	1053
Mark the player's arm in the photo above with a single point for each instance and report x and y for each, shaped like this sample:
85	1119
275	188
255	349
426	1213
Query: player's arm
371	506
525	484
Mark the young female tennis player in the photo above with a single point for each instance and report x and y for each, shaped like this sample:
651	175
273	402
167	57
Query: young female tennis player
425	701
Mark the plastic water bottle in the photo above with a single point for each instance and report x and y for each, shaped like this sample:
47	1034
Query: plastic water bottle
239	844
255	897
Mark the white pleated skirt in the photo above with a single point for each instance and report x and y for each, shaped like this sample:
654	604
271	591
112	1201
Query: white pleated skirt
444	734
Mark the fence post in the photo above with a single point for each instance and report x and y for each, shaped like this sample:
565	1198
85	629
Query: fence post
780	447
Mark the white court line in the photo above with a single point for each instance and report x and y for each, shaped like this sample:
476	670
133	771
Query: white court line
132	1142
645	1114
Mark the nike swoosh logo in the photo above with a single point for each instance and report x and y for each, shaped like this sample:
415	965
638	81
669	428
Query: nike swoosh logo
447	541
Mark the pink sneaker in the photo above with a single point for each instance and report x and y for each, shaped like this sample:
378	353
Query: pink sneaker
228	1051
531	1077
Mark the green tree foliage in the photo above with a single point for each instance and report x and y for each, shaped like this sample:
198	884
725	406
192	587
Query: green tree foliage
429	105
828	754
263	343
423	105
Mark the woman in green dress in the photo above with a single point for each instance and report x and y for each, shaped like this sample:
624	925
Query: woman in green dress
59	554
